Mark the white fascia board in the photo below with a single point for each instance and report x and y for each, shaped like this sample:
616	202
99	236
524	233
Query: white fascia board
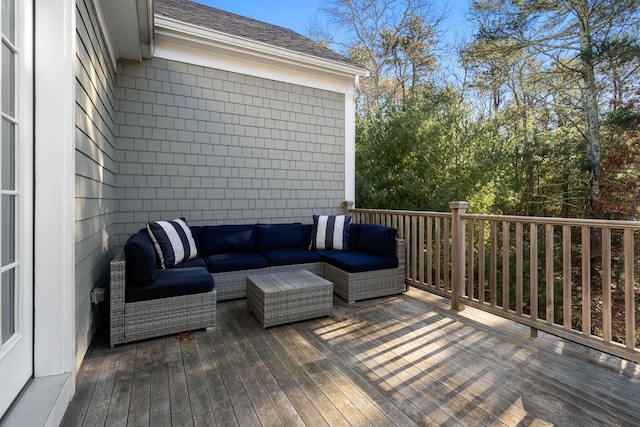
178	32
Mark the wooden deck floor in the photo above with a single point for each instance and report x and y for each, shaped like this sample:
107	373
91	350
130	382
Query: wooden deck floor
401	361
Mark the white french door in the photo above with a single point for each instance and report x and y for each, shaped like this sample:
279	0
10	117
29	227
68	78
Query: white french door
16	200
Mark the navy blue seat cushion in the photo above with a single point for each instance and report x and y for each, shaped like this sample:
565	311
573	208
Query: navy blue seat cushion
196	262
171	283
289	256
140	260
279	236
236	261
224	239
377	239
358	261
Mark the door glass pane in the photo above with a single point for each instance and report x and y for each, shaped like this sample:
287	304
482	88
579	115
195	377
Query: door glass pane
7	296
8	20
8	155
8	80
8	236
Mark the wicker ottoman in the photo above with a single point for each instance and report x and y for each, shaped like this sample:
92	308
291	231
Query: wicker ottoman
288	296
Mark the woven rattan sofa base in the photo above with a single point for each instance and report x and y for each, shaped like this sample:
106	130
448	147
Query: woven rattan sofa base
288	296
233	284
368	284
147	319
313	267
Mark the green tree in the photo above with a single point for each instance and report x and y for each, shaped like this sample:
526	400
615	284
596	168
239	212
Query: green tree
392	39
564	35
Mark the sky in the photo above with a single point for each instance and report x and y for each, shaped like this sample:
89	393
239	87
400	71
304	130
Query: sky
298	15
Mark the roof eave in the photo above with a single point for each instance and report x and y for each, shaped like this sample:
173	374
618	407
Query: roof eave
179	30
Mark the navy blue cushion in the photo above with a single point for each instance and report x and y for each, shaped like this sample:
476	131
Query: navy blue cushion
307	231
223	239
357	261
290	256
171	283
172	241
236	261
330	232
196	262
140	260
279	236
354	235
195	232
377	239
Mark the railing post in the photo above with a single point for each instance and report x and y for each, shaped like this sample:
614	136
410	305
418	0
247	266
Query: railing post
347	205
457	254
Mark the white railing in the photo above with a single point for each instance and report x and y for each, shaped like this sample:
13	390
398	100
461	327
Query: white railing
573	278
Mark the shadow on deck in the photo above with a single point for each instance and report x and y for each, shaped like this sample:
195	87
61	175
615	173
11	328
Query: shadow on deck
400	360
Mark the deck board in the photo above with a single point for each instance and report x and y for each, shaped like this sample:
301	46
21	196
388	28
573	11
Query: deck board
404	360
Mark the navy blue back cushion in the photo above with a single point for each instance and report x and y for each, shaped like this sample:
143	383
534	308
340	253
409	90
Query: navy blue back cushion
279	236
236	261
307	231
354	236
140	260
289	256
377	239
195	232
222	239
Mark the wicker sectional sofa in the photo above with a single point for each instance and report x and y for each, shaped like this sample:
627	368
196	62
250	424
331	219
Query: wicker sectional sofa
147	301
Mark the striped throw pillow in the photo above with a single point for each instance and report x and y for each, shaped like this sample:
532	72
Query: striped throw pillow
173	241
330	232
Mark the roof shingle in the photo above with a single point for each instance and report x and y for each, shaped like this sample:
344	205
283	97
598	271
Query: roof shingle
219	20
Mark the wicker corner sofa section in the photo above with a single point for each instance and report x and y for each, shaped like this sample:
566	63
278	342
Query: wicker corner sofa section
373	266
136	320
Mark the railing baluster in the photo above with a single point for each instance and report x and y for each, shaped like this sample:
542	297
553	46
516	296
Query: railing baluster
519	266
550	300
421	249
505	265
471	260
447	256
481	256
606	285
438	261
533	271
586	280
430	251
566	277
629	291
414	248
493	286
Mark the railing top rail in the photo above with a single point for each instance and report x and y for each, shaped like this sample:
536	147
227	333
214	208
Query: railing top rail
599	223
401	212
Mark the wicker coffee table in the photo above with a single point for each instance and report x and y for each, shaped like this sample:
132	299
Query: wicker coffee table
288	296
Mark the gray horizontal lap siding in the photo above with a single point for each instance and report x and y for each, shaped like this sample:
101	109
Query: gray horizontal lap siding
95	210
219	147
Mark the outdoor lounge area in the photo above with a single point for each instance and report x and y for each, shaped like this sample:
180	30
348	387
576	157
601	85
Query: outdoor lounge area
400	360
138	111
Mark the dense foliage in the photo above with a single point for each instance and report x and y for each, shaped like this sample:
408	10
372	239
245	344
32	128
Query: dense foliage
543	119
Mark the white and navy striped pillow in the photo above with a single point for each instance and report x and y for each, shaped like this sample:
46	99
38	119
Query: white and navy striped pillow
330	232
173	241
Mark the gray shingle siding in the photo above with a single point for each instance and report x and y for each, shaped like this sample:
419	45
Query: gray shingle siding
95	168
246	150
